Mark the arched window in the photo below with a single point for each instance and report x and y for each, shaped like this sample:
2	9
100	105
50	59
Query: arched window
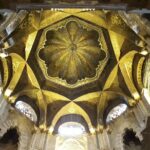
10	140
27	110
116	111
70	122
71	129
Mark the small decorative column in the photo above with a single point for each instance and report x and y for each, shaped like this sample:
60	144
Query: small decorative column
92	142
4	108
38	140
141	114
104	140
50	142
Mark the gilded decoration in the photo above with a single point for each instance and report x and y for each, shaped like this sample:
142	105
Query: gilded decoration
71	52
72	62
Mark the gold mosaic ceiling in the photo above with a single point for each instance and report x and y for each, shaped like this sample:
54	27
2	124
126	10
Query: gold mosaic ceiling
73	61
71	52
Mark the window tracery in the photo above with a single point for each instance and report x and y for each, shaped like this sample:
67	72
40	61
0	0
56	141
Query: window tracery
116	112
27	110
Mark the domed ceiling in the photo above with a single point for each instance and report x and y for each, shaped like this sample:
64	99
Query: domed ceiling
71	62
70	52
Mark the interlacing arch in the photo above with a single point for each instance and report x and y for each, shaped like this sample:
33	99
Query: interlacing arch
23	127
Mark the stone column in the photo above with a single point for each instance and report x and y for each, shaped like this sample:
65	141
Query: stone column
50	142
104	141
92	142
38	140
4	108
141	114
146	82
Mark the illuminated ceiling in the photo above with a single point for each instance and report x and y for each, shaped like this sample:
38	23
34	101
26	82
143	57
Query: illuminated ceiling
72	62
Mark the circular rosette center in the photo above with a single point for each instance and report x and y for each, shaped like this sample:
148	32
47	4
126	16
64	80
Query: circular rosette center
73	47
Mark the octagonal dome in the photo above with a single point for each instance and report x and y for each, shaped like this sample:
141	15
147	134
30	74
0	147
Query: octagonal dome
71	53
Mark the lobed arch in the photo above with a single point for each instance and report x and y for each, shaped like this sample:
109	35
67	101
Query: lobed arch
23	129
